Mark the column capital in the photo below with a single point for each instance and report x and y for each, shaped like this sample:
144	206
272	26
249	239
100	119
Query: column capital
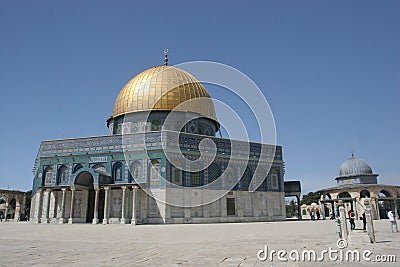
107	188
134	187
63	189
123	187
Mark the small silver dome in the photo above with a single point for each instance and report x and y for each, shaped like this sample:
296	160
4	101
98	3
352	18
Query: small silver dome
354	166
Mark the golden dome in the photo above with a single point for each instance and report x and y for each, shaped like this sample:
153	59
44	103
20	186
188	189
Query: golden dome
164	88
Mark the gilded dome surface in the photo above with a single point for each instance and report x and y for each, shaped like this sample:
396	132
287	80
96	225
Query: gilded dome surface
164	88
354	166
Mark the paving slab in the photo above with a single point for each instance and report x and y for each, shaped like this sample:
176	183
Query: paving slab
236	244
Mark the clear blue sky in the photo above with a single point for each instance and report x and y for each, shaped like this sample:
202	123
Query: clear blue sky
329	69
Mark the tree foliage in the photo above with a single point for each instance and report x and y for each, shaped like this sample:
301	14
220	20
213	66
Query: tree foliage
28	197
291	209
311	197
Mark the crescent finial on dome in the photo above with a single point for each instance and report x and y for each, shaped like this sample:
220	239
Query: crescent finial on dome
165	57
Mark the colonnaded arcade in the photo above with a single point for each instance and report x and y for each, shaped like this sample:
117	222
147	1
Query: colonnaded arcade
126	177
12	204
357	182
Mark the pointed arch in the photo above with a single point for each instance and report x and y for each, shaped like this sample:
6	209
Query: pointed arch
62	175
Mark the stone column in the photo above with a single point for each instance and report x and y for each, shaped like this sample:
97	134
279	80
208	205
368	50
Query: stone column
71	211
134	191
323	210
144	206
52	206
61	221
334	208
343	222
17	210
6	211
355	209
38	201
96	206
123	204
370	225
46	207
396	209
377	209
106	196
299	215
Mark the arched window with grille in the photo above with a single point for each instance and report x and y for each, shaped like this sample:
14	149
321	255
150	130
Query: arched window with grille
62	174
154	170
196	180
118	171
274	179
213	174
136	171
261	179
246	179
48	175
176	176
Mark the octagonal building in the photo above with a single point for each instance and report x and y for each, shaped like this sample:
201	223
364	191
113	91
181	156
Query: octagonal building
357	184
146	171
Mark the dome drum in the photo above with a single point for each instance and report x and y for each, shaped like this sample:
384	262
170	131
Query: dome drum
356	171
144	103
140	122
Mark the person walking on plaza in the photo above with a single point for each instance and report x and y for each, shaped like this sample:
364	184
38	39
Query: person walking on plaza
364	220
392	220
352	217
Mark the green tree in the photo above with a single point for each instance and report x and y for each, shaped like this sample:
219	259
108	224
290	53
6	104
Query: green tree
311	197
291	209
28	197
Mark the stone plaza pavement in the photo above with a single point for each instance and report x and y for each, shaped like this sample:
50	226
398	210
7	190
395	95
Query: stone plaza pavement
237	244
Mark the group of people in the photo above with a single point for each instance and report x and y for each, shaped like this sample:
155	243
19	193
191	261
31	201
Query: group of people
313	214
352	219
390	214
21	217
